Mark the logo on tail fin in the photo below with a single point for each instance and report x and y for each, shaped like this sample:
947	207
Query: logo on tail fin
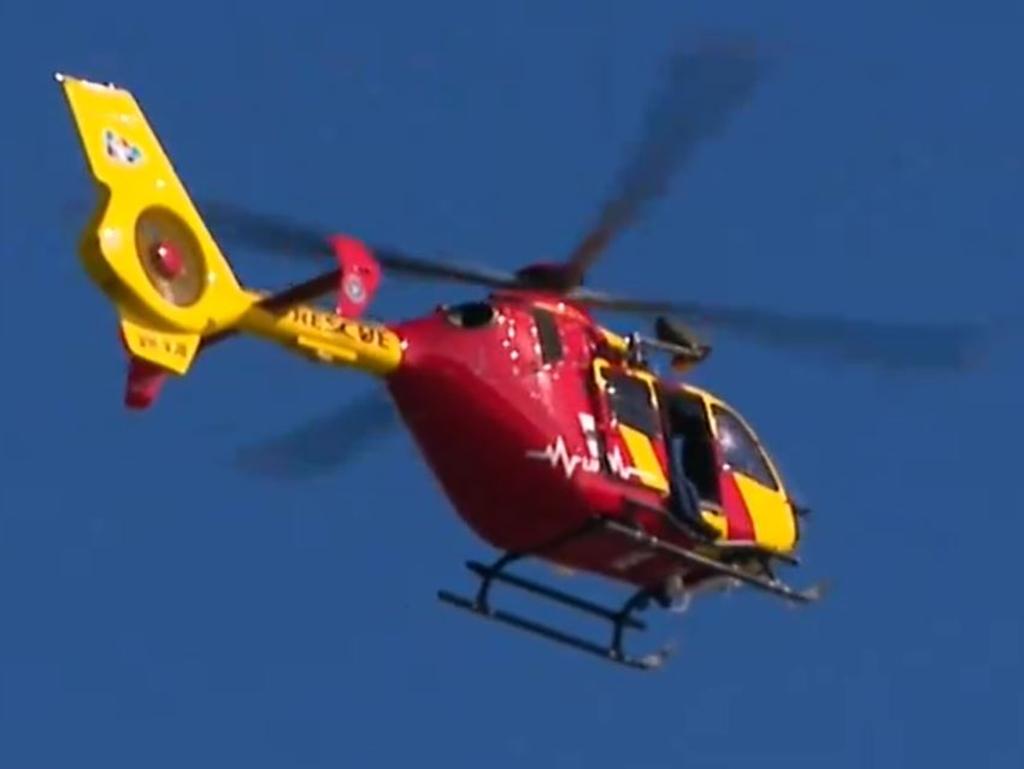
354	288
120	150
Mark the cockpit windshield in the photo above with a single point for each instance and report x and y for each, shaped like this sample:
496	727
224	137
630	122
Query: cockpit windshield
740	449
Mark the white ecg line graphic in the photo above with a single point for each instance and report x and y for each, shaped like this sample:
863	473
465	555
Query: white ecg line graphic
556	453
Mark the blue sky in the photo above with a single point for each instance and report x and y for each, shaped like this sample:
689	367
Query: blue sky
160	608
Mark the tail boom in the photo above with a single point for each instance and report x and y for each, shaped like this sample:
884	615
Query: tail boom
326	336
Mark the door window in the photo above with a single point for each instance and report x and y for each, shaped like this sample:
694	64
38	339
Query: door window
632	403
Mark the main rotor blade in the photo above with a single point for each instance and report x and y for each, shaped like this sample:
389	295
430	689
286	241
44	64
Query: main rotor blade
444	270
322	444
286	237
890	345
703	89
266	232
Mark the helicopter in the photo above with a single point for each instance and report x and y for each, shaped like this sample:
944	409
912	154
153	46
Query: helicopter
554	437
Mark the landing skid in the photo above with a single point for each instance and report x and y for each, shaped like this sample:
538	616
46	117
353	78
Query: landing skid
620	619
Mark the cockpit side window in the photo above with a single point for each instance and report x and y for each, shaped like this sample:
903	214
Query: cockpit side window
740	449
632	403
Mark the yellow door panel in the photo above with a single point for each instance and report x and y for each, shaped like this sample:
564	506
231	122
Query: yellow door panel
645	461
771	514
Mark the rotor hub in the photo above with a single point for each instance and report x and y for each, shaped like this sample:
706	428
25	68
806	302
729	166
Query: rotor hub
546	276
166	260
171	256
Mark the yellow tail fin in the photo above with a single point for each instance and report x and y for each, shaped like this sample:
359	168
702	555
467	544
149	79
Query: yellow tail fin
147	246
150	252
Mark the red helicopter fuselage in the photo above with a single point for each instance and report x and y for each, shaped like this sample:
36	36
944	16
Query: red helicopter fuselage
517	406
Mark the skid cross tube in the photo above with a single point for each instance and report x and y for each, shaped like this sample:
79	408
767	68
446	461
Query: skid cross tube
620	619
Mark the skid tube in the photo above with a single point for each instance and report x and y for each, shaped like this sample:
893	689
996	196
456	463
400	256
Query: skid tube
621	618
